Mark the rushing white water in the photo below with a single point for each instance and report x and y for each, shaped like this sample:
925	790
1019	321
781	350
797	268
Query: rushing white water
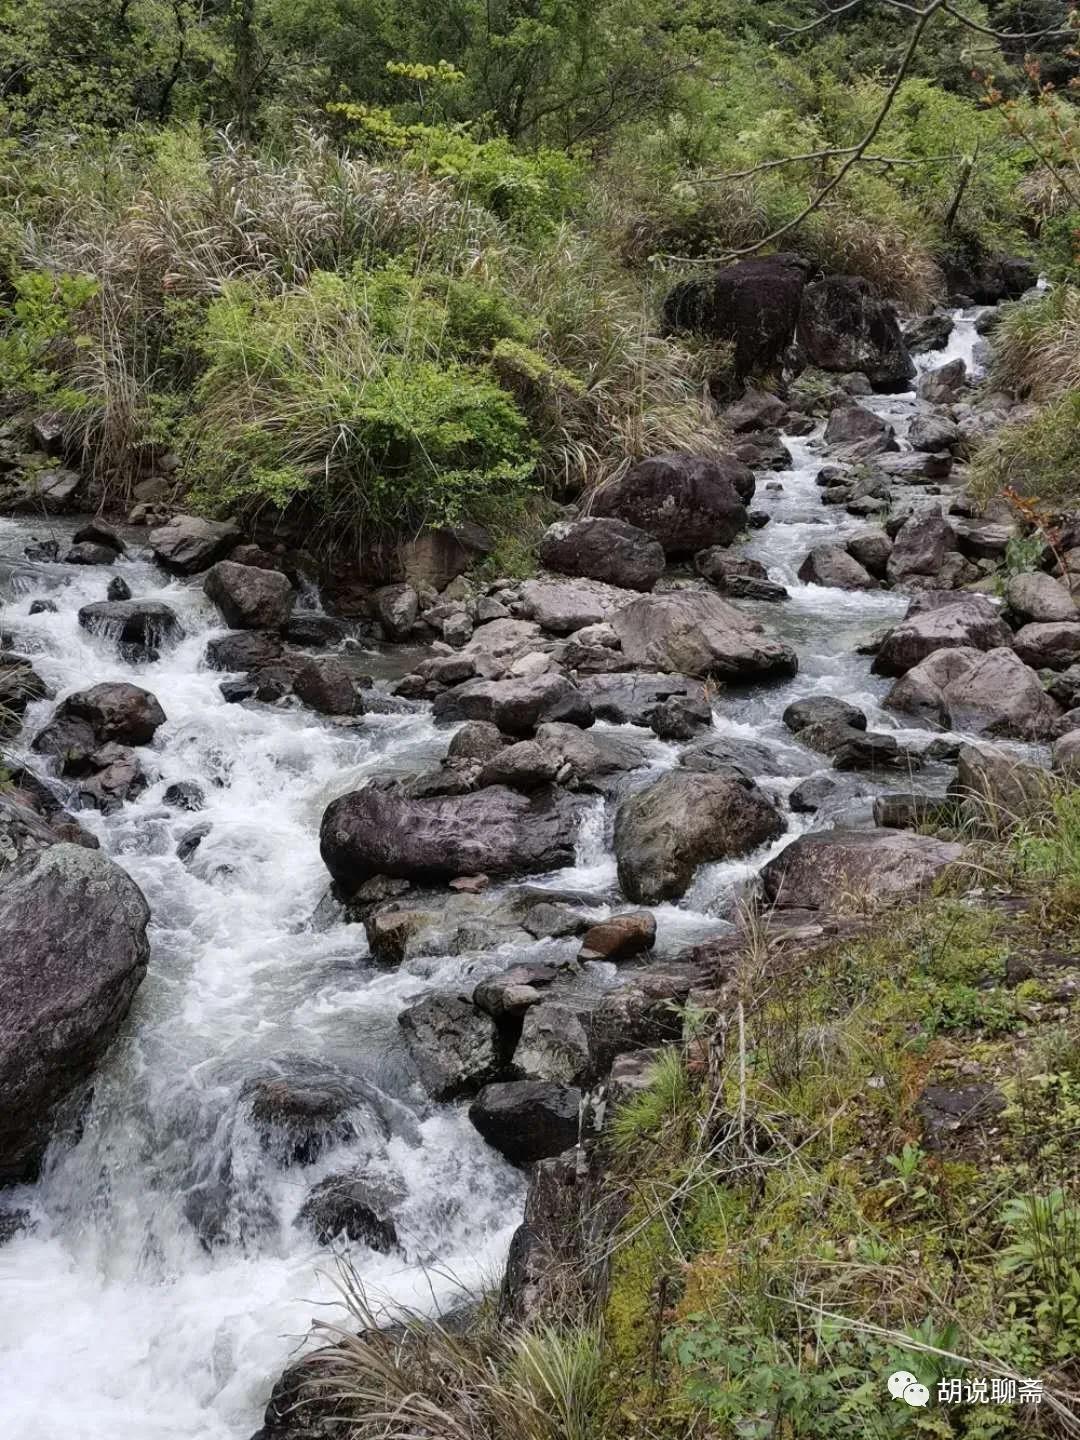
116	1323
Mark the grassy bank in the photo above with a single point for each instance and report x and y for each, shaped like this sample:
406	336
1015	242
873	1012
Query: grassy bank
863	1159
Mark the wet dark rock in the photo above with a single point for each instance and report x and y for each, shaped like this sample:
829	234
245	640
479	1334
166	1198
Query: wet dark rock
819	870
685	502
45	607
551	920
86	553
118	589
831	565
303	1108
184	795
70	741
727	753
631	698
455	1047
99	532
619	938
527	1120
191	840
357	1204
755	410
843	327
524	766
605	549
248	597
73	951
822	710
589	759
680	718
235	692
310	630
115	777
852	748
811	794
516	707
695	632
491	832
737	575
754	306
325	684
242	650
929	332
138	627
20	685
683	820
949	622
116	711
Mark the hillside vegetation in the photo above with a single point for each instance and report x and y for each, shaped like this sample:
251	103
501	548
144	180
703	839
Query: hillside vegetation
371	265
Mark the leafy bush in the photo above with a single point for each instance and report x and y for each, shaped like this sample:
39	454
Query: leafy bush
337	394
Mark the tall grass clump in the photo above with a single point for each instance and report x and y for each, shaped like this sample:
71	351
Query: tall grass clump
362	341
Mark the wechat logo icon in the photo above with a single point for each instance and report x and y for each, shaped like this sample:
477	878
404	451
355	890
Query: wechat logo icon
905	1386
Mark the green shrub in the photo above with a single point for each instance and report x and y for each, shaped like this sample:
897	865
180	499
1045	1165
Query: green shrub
337	396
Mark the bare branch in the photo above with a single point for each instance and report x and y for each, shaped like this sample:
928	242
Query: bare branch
816	24
1005	34
856	153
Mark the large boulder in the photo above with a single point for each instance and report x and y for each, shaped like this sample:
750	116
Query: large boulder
695	632
516	706
943	385
971	621
683	820
138	627
527	1120
249	597
754	306
685	502
73	951
825	868
496	831
997	789
116	711
187	544
397	608
842	327
859	432
358	1204
634	699
966	688
44	491
737	575
498	645
1050	645
933	433
833	566
1035	598
920	547
562	606
602	548
325	684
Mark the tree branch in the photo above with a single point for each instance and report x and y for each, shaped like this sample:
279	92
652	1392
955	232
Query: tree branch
855	153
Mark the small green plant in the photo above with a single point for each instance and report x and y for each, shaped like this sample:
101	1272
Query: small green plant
907	1185
1043	1260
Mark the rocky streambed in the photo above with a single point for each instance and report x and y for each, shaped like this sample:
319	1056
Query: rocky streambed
323	930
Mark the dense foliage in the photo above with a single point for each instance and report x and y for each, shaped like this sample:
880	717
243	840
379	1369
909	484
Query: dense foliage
387	263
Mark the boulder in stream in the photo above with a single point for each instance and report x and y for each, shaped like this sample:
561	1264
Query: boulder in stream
940	622
139	627
527	1120
73	951
686	502
683	820
188	544
844	327
497	831
695	632
604	548
249	597
116	711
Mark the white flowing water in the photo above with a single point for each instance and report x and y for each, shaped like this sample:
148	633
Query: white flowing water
116	1323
